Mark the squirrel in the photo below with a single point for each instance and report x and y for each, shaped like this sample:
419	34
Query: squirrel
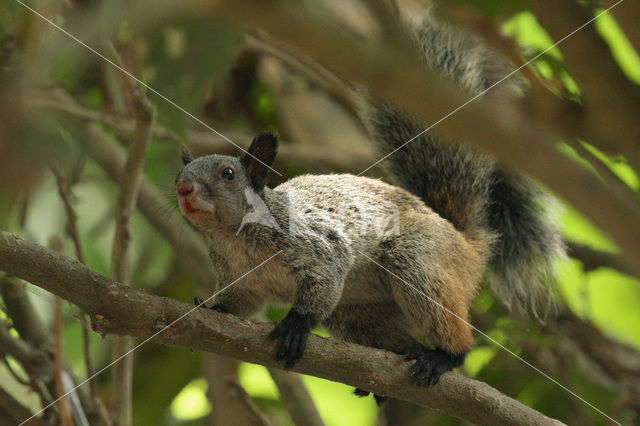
393	267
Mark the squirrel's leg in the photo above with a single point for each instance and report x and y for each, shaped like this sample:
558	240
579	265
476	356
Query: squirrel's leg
442	318
315	298
319	259
379	325
433	280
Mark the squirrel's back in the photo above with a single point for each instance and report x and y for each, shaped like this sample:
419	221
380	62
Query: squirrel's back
363	207
480	198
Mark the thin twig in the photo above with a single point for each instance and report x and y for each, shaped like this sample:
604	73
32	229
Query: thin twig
72	228
305	66
257	417
120	258
57	244
295	396
63	404
311	158
72	219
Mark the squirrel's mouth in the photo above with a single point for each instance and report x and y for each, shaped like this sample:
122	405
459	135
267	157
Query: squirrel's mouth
190	209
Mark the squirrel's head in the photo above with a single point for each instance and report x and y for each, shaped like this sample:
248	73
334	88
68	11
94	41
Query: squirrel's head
211	189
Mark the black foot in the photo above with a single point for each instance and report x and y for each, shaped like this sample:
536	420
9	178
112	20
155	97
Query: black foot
380	399
431	364
362	393
292	332
200	303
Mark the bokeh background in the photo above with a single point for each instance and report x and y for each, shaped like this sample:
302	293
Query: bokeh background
66	114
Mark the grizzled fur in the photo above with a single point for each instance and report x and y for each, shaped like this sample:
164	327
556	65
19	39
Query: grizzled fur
458	215
481	199
325	270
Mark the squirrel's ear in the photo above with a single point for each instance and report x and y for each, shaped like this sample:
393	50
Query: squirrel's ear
186	156
259	159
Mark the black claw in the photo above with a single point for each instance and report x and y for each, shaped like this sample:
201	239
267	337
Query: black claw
360	393
380	399
432	364
293	332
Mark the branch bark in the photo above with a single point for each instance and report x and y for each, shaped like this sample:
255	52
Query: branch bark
118	309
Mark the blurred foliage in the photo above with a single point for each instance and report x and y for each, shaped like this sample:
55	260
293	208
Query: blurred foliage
181	56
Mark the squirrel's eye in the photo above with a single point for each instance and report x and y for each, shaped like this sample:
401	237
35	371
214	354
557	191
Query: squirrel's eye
227	173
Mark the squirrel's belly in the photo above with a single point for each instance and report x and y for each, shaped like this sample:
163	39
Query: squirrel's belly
364	285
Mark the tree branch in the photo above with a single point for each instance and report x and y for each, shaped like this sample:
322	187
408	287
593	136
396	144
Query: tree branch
593	259
12	412
118	309
257	418
228	406
310	158
33	333
25	318
64	191
620	362
120	259
295	396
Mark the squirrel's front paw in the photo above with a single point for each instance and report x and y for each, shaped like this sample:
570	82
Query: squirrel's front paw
292	332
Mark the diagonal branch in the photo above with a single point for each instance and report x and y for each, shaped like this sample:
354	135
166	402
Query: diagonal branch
119	309
296	397
13	412
593	259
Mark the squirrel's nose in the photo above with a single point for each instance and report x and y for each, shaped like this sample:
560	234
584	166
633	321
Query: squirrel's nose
185	188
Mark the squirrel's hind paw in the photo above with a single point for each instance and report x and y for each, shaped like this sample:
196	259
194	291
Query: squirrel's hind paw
362	393
432	364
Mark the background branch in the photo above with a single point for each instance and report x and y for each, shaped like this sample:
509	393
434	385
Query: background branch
295	396
592	259
122	310
12	412
144	113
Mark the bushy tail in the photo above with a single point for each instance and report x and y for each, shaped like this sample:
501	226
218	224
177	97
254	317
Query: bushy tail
485	202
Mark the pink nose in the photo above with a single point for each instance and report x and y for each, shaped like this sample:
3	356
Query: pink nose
185	188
